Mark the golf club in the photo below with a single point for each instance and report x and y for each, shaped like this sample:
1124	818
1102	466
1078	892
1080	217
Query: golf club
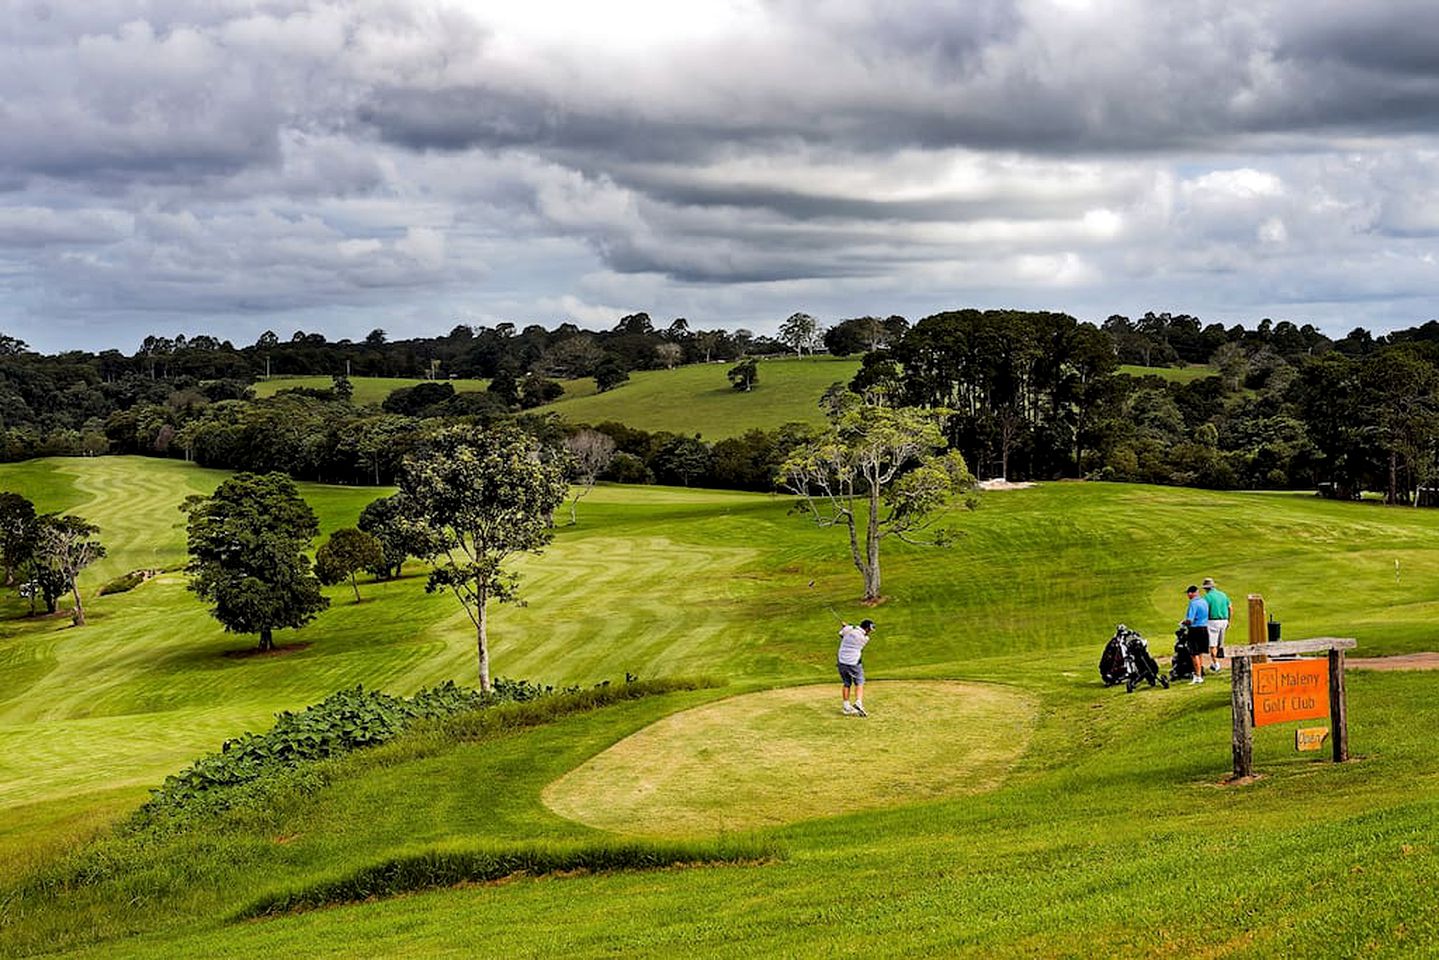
837	617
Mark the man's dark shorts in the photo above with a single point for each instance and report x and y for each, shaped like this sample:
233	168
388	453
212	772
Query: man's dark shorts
1198	641
852	674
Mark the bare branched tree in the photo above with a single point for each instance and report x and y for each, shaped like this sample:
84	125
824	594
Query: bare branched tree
590	453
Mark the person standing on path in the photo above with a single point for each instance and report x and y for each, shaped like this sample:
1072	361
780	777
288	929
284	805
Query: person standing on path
1218	603
1196	618
851	670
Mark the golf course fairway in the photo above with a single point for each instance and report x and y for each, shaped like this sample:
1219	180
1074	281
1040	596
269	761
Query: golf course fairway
780	756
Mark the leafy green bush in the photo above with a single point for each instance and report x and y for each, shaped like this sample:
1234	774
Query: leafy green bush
357	718
345	720
124	583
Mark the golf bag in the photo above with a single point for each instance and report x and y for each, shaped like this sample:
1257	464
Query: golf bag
1126	660
1181	668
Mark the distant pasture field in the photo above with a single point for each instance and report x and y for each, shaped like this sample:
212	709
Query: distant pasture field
1084	839
367	389
698	398
1186	374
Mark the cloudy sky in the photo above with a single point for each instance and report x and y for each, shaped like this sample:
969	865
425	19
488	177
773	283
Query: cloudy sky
231	167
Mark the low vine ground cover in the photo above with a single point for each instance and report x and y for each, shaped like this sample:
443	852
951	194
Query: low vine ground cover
1096	842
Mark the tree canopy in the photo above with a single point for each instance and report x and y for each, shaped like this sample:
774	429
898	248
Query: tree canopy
346	553
881	470
485	495
247	544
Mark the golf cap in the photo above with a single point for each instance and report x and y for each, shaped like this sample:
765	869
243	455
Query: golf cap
1191	589
866	624
1208	583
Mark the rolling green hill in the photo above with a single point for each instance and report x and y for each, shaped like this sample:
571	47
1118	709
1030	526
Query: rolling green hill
699	399
367	389
692	399
1095	837
1175	374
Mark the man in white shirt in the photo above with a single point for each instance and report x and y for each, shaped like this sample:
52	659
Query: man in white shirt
851	670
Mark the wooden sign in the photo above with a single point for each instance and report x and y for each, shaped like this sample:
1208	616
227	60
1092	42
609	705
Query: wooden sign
1290	690
1310	738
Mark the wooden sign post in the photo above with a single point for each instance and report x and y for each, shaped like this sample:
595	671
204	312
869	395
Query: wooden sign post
1277	692
1258	631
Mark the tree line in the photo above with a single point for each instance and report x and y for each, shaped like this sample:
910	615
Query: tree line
1031	395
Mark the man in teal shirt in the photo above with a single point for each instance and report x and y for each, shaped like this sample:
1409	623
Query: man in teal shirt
1218	602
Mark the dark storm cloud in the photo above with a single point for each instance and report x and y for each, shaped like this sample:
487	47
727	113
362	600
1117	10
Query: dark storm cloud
291	155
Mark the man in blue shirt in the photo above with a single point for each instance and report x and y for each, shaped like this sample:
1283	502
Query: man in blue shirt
1196	618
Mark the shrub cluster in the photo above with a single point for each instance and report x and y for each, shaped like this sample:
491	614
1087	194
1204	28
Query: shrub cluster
124	583
345	720
357	718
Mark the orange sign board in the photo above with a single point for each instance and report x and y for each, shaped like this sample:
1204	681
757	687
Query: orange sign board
1290	690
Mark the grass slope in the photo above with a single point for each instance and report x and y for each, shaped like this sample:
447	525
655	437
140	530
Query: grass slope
699	399
367	389
1176	374
1107	824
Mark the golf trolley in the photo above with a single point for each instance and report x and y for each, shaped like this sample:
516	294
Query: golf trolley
1126	660
1181	668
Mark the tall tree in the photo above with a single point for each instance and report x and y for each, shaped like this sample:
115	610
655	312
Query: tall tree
17	533
346	553
248	543
884	471
800	332
590	452
744	375
487	495
67	545
387	520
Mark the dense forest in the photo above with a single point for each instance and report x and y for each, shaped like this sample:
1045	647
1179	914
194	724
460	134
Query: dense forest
1033	395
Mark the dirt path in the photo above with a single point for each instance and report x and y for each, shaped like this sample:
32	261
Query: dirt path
1429	660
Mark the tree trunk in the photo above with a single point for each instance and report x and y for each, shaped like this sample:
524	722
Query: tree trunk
78	617
871	546
1393	478
267	639
355	586
482	641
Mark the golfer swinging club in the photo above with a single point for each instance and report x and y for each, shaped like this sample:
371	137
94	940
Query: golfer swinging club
851	646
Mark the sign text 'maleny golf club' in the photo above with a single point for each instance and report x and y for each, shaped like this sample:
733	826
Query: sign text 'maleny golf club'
1290	690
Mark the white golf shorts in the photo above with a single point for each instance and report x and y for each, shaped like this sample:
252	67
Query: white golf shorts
1217	629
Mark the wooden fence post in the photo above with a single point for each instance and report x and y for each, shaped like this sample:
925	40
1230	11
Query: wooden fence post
1258	630
1338	709
1242	707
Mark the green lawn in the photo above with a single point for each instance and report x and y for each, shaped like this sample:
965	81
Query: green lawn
1090	836
1186	374
699	399
367	389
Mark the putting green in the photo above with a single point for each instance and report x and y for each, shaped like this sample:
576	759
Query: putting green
781	756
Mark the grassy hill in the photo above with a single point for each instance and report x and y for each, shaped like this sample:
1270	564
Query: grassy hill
691	399
1094	836
699	399
1174	374
367	389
